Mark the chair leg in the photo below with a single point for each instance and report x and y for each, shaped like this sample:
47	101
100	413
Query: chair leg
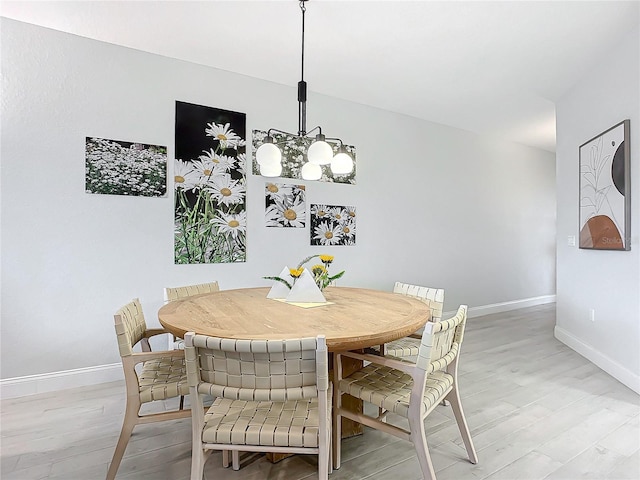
336	431
198	460
324	457
456	406
419	439
382	353
235	459
129	421
330	454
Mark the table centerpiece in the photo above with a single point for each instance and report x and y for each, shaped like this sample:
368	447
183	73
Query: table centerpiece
304	285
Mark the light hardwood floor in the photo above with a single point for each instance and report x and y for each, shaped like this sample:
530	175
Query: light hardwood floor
536	410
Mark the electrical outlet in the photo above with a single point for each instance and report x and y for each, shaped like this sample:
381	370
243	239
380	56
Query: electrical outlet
571	240
592	314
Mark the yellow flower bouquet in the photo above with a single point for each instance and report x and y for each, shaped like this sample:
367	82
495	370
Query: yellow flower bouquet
319	271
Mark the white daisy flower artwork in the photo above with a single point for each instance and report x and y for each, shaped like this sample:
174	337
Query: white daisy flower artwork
348	230
225	190
185	175
232	224
225	135
221	163
285	205
321	211
115	167
332	225
209	185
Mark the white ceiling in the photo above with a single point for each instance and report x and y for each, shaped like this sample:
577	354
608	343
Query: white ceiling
494	68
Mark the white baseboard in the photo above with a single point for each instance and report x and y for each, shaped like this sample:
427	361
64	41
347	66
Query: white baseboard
51	382
504	306
613	368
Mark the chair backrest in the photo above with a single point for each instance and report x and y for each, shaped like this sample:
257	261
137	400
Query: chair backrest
175	293
441	342
261	370
434	297
130	326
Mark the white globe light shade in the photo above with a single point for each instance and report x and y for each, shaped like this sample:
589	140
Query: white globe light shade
271	170
341	164
311	171
268	154
320	153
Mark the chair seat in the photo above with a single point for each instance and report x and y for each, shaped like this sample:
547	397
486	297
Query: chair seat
284	424
404	347
163	378
390	389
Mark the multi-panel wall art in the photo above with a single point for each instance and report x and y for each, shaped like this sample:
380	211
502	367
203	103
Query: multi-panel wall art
292	148
210	185
115	167
285	205
333	225
605	212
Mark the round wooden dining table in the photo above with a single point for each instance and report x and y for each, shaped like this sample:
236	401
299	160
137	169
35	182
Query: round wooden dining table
352	318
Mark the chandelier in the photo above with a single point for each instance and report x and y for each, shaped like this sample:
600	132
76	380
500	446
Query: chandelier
269	155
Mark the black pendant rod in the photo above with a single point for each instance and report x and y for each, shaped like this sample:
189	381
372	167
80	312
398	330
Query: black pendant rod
302	86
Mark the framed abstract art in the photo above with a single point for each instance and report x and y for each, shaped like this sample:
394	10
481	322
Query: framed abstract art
605	190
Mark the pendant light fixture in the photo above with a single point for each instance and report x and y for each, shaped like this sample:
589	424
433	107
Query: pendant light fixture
269	156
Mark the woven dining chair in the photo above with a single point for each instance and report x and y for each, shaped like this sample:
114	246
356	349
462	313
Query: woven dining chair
162	376
410	390
269	396
176	293
409	346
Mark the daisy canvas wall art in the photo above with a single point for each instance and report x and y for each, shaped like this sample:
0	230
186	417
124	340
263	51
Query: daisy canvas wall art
209	185
293	148
114	167
333	225
285	205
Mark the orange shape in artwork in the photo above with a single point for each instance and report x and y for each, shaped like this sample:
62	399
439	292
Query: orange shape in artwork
601	233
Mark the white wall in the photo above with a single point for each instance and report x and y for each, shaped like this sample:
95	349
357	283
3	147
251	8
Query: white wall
606	281
436	206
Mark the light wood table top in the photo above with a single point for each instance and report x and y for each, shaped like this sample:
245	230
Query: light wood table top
356	318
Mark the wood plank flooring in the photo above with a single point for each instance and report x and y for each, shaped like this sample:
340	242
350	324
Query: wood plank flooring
536	410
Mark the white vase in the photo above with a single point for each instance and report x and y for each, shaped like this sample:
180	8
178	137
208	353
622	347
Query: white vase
305	290
279	289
